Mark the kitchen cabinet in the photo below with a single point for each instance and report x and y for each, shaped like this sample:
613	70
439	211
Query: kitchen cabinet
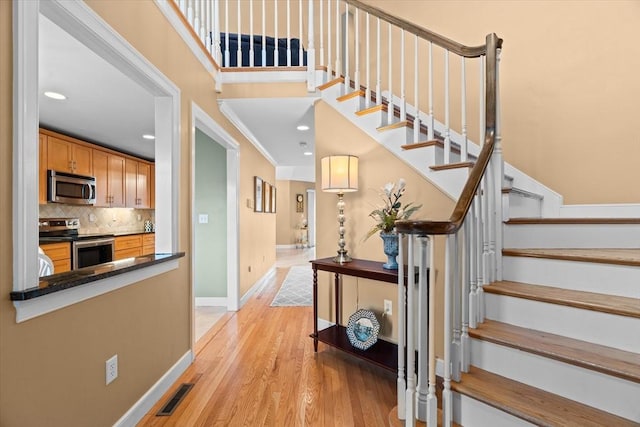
128	246
137	179
60	254
67	156
108	169
42	172
148	244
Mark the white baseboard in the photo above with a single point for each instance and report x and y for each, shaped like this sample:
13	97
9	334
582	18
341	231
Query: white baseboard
146	402
260	283
286	246
211	301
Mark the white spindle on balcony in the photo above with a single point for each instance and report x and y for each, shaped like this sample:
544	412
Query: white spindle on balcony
416	90
463	108
367	83
390	77
447	129
251	59
276	51
226	33
288	33
337	22
347	76
403	95
356	35
239	51
431	130
300	36
321	10
263	55
378	65
329	44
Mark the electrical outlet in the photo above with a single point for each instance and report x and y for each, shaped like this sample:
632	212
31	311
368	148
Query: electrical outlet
112	369
388	307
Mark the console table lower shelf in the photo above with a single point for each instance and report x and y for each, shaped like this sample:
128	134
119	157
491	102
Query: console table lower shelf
382	353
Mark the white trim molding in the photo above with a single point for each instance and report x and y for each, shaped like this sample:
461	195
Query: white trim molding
211	301
146	402
81	22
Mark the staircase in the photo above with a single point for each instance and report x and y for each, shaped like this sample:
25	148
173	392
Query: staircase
542	323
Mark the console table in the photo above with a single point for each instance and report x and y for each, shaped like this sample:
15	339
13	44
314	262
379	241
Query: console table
382	353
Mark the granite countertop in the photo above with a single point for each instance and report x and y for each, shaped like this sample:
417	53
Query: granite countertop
132	233
82	276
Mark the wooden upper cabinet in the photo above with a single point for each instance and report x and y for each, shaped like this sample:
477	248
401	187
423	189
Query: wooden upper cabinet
42	172
65	156
137	180
109	172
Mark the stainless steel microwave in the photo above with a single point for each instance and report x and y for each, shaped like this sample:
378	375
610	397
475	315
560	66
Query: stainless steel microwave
71	189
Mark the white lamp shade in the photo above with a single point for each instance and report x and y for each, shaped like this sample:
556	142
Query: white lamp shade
339	174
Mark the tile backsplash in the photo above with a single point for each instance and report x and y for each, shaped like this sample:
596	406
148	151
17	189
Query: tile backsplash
101	220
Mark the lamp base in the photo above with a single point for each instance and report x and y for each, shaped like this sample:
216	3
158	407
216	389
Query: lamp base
342	258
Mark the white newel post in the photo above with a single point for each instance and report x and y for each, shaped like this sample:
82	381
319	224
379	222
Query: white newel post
410	406
432	400
499	172
401	382
423	332
447	404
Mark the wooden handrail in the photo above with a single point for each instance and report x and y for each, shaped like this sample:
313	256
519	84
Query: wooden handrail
451	226
423	33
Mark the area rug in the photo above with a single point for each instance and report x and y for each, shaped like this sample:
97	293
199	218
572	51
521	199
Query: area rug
297	288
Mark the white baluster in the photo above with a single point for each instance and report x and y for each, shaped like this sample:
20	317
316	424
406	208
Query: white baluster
195	24
356	72
214	27
300	36
239	51
367	83
276	57
378	66
390	70
431	130
447	404
338	65
347	50
205	21
264	34
251	59
401	381
411	347
183	7
447	135
466	291
473	263
226	34
288	33
311	51
190	12
321	32
456	309
463	90
480	252
403	96
423	332
329	44
416	91
432	399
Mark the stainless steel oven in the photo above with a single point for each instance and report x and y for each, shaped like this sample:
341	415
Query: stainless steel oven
92	251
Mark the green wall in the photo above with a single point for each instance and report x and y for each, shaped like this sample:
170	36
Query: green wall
210	199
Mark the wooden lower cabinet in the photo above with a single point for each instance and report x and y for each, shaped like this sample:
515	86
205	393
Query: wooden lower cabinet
134	245
60	254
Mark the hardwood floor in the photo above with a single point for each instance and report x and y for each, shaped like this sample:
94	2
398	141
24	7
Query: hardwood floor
257	367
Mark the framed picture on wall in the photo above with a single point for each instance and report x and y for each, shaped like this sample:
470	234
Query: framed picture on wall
273	199
267	197
257	194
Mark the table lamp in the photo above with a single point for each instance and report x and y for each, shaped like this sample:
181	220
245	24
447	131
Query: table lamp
340	175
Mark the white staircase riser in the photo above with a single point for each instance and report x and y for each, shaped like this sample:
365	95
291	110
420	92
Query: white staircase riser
572	236
515	205
469	412
609	279
608	393
600	328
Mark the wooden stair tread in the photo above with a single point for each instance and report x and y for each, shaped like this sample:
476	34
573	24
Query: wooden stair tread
622	256
608	360
395	125
612	304
394	421
532	404
415	145
518	221
350	95
331	83
458	165
372	109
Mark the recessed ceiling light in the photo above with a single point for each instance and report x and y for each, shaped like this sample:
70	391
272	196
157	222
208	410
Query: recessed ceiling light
303	127
148	136
308	153
55	95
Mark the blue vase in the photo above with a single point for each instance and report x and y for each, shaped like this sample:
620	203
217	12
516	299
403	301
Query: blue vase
390	241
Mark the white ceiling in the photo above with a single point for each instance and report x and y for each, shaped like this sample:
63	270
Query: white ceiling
106	107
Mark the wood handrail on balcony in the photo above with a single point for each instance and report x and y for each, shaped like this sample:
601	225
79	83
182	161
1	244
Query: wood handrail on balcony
423	33
453	224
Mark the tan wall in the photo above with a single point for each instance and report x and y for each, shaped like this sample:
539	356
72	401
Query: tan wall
376	168
57	361
569	86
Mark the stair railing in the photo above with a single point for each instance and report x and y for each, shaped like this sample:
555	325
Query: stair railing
377	68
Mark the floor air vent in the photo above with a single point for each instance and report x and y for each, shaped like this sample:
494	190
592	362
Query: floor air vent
175	400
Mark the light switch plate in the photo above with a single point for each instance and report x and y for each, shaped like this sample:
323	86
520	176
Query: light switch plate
203	219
